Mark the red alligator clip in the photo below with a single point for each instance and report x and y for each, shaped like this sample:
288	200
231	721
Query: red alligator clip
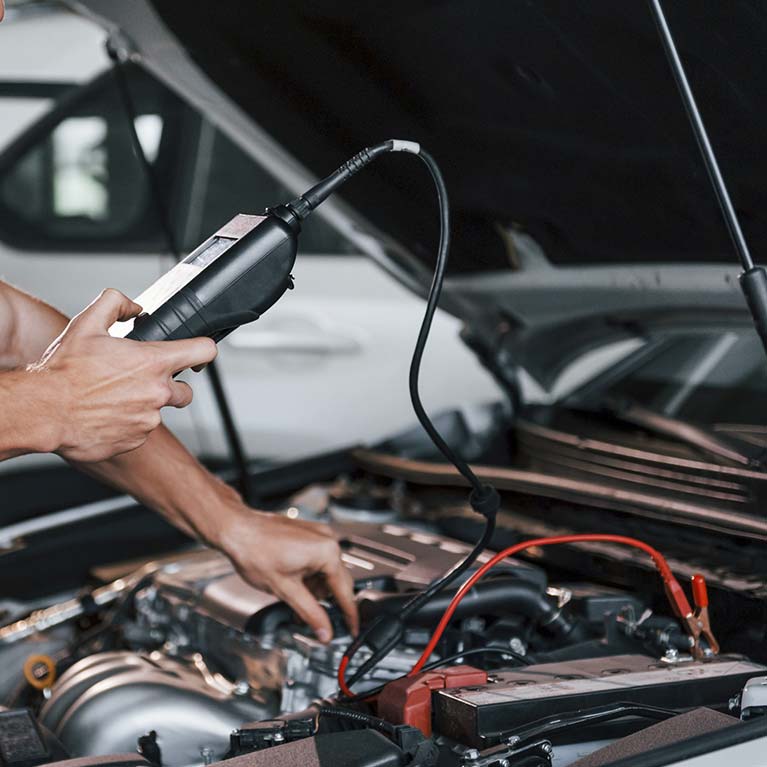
698	623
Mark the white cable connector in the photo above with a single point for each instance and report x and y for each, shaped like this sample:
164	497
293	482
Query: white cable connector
398	145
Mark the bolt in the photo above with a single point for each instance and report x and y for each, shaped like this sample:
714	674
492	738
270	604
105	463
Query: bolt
278	737
671	655
503	763
471	754
241	688
517	645
207	755
513	740
546	747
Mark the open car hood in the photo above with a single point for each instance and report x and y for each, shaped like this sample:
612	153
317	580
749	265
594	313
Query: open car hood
576	186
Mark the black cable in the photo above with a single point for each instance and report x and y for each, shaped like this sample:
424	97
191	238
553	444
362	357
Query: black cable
522	660
414	604
233	439
374	722
423	334
439	585
484	499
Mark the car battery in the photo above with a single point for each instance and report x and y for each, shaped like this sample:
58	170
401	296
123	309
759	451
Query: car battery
480	716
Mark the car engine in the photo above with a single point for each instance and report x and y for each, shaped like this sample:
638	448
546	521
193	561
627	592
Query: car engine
178	661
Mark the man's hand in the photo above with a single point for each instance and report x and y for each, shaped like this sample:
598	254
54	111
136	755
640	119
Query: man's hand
283	555
102	395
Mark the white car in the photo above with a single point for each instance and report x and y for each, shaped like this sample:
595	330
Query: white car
325	368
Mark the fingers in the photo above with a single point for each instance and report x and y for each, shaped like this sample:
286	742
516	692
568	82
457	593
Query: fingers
341	585
107	309
180	394
308	609
189	353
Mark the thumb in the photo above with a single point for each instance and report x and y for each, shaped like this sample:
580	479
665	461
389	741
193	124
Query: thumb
308	609
109	307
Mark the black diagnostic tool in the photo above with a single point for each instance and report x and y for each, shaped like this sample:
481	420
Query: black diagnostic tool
229	280
239	272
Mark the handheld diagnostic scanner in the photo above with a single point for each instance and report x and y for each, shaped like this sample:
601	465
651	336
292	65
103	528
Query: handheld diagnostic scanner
239	272
228	281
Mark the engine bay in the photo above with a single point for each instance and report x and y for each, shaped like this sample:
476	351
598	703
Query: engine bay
176	660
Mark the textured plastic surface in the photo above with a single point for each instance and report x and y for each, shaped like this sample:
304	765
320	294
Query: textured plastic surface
235	280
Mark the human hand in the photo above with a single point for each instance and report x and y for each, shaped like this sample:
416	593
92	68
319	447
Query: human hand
282	555
101	395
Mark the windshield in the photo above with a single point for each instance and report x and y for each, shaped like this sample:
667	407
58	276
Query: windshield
717	378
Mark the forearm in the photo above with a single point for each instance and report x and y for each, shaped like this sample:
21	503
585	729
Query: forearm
161	473
27	327
164	476
26	408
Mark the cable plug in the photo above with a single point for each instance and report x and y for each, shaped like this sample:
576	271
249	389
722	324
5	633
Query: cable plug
487	502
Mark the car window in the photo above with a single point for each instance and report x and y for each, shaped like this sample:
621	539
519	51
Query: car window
228	181
76	184
711	377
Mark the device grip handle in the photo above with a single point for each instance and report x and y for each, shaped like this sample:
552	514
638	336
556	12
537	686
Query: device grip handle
699	591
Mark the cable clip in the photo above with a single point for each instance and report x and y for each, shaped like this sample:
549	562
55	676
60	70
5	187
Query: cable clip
486	502
698	622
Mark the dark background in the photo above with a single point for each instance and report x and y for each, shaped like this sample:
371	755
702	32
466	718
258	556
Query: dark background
558	117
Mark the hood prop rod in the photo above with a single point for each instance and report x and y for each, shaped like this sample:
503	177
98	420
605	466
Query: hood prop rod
753	279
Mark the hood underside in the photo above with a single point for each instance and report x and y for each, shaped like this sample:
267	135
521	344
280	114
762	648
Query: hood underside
555	118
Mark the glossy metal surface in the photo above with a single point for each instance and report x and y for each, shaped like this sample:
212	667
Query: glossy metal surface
104	703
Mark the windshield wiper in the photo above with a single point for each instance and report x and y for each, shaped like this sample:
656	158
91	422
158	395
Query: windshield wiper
677	429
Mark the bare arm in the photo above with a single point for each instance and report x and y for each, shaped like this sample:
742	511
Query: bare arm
163	475
27	327
26	411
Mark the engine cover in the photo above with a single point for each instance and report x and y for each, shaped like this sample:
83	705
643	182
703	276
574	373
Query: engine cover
387	558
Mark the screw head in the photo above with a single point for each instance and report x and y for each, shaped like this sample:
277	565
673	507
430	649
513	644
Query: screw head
471	754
